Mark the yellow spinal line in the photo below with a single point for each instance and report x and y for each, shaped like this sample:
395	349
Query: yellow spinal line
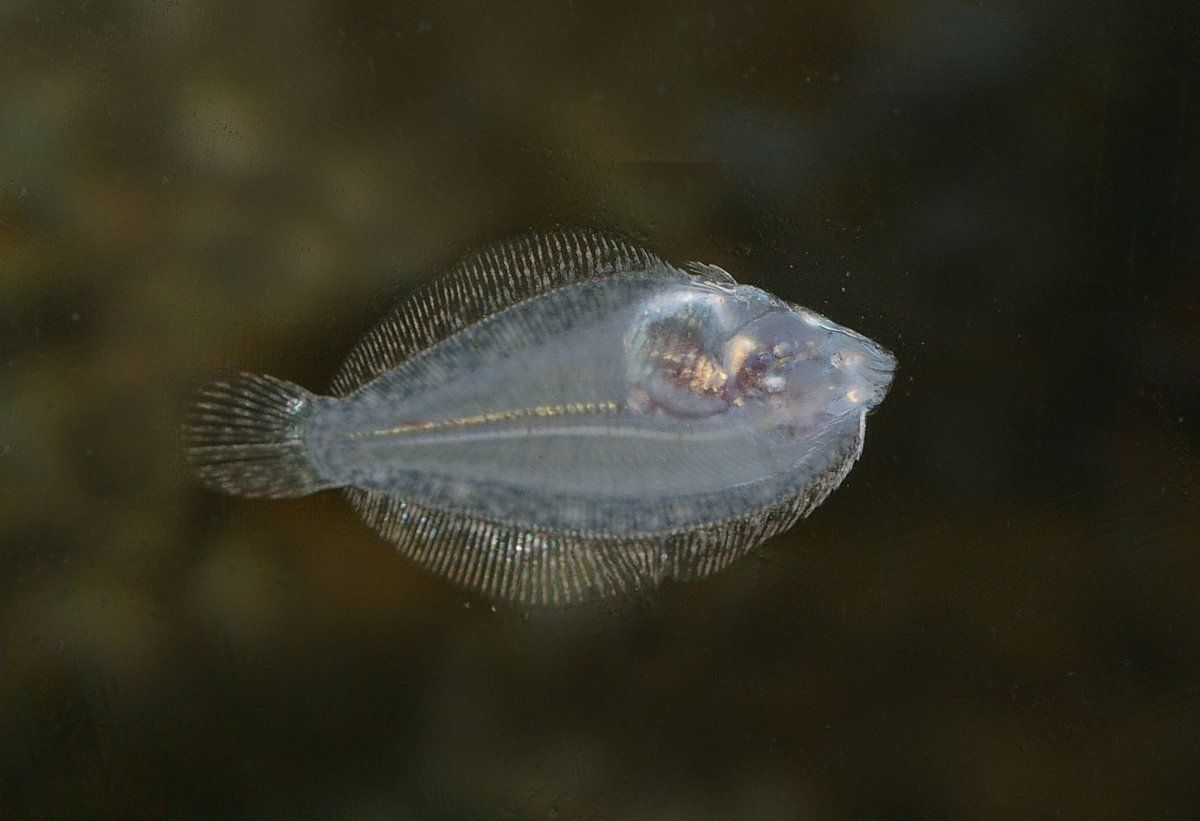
541	411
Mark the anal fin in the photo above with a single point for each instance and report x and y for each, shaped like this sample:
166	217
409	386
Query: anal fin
525	566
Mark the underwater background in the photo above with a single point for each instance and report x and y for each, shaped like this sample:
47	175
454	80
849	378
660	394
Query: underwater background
997	615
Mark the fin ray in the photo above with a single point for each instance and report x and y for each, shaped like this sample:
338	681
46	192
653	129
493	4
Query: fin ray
487	282
710	273
245	438
526	566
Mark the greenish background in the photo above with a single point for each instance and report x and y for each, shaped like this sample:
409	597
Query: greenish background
998	615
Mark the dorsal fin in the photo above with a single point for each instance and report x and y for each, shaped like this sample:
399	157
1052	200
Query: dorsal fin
710	273
479	286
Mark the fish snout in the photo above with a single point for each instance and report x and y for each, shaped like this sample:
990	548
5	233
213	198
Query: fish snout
866	369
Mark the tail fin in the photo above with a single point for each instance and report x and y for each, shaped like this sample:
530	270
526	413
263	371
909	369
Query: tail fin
246	438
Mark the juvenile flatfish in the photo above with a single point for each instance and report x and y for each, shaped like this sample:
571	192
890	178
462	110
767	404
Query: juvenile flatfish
564	417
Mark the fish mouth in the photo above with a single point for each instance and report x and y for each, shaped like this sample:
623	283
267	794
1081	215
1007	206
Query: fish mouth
868	363
879	371
881	367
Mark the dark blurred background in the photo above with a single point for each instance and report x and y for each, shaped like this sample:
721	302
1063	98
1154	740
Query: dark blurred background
997	615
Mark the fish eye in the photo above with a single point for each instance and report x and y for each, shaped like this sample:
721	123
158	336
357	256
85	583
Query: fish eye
759	361
765	369
764	353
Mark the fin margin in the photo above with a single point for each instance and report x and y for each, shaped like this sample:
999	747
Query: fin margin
495	278
244	437
527	567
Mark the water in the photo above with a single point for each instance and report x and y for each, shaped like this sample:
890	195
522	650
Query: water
996	614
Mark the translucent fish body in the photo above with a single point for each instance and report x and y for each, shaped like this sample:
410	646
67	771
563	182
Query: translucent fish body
564	418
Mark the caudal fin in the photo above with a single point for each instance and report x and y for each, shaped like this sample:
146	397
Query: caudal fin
246	437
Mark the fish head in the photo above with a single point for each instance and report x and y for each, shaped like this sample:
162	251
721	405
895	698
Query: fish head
799	358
